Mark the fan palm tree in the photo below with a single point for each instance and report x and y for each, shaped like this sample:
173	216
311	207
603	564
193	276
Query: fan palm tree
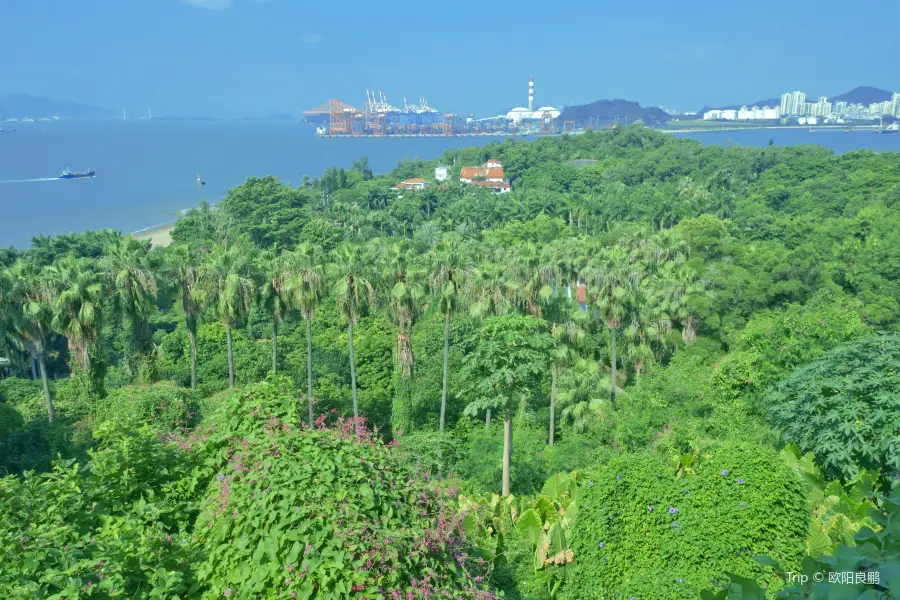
78	305
450	265
612	279
352	290
182	270
273	296
577	395
403	283
79	292
26	317
134	286
531	270
402	274
305	290
227	274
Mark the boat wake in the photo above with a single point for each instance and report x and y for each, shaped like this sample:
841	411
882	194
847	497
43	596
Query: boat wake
29	180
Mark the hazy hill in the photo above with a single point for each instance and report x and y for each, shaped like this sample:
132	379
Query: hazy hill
607	112
23	105
863	95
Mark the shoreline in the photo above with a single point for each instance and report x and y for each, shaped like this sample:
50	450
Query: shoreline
160	235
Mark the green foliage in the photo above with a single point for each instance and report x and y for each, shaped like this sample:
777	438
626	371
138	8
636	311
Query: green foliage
512	356
838	511
117	527
320	512
866	570
480	462
16	390
527	536
162	405
843	407
642	531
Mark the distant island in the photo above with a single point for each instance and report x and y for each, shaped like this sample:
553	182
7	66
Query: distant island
611	112
25	106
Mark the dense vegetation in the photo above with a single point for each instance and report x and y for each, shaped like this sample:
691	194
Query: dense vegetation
671	372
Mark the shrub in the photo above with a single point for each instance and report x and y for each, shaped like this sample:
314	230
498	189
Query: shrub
114	529
844	407
15	390
642	532
320	512
162	405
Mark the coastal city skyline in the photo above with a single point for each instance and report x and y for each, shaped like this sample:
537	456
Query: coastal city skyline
795	104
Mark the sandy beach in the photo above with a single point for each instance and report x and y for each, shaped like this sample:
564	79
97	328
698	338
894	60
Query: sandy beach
159	235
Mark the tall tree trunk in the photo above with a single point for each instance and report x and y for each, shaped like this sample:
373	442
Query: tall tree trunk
553	376
446	358
487	419
50	412
507	450
33	367
352	370
309	371
612	387
274	347
230	357
192	336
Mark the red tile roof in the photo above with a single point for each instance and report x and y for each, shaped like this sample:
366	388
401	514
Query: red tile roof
416	180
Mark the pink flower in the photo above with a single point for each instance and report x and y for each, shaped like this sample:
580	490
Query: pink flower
227	592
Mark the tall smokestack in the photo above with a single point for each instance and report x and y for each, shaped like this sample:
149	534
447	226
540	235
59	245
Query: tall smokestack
531	95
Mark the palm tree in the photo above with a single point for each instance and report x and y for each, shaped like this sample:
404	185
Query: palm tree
405	295
274	294
531	270
450	264
305	289
577	394
182	268
402	278
134	286
227	274
78	312
352	290
26	317
611	277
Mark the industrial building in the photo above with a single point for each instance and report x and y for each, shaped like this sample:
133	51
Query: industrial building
521	115
379	118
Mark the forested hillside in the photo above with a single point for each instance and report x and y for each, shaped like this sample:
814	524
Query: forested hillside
669	374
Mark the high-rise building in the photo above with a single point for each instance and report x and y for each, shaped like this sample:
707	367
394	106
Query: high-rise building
895	104
840	108
793	103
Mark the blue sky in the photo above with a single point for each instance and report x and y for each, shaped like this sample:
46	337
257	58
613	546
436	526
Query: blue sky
255	57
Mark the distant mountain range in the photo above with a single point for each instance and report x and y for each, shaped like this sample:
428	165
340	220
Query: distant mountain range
610	112
19	106
864	95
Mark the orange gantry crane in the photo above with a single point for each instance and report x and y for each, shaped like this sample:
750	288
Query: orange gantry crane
340	116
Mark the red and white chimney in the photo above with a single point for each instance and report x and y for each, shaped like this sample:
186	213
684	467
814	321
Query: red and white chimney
531	95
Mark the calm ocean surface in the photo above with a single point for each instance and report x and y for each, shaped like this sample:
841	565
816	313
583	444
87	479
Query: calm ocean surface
146	171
